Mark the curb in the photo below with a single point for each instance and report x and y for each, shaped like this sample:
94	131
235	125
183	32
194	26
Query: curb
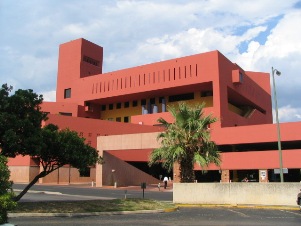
239	206
14	215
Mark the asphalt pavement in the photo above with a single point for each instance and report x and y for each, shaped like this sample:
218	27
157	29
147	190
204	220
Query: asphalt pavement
53	192
185	215
217	216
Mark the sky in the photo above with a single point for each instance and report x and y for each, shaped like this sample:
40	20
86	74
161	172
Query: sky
255	34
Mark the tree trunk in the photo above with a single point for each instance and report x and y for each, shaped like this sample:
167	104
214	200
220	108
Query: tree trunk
40	175
187	170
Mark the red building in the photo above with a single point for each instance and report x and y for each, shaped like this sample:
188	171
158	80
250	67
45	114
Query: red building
121	108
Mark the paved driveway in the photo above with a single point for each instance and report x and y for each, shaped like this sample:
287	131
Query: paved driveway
86	192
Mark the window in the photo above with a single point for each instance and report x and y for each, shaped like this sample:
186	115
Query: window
143	102
84	172
90	134
111	106
67	93
207	94
161	99
65	113
181	97
126	119
135	103
241	77
126	104
91	60
152	100
103	107
118	119
81	134
118	105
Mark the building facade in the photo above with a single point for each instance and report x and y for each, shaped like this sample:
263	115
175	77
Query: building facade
117	112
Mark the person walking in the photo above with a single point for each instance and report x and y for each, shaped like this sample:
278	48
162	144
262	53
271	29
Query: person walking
165	182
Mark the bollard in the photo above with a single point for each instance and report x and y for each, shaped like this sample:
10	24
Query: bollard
159	186
92	184
115	185
143	186
125	192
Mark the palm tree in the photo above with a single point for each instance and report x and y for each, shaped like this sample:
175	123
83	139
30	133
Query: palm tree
186	141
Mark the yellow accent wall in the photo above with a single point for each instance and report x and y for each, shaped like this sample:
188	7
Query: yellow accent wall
137	110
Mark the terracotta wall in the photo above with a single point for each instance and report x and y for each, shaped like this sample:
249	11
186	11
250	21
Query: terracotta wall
67	175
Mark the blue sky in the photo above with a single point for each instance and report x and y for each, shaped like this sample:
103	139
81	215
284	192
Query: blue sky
256	34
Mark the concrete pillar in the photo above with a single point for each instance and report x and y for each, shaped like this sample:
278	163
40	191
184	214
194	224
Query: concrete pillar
176	172
99	171
263	176
225	176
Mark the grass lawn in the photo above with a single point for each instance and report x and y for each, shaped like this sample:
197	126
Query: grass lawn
91	206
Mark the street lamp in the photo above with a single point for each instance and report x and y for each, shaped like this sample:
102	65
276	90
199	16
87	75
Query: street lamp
277	122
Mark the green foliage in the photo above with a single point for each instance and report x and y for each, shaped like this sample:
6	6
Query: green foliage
61	147
21	134
6	195
186	141
5	184
20	121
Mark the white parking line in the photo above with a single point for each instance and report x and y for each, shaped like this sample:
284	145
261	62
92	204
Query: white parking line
239	213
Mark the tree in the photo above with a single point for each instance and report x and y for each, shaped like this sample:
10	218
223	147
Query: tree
59	148
20	121
186	141
6	194
21	134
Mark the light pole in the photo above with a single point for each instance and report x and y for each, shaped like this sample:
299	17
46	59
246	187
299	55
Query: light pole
277	122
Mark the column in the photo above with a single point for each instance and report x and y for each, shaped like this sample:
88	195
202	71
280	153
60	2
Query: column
225	176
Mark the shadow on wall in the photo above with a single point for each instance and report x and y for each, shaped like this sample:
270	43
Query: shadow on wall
116	172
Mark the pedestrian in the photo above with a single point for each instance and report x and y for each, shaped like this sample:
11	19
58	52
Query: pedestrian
165	182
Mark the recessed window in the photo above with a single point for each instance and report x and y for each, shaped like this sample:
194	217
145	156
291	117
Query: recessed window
126	119
207	94
65	113
67	93
91	60
135	103
152	100
103	107
143	102
181	97
161	99
111	106
126	104
241	77
118	105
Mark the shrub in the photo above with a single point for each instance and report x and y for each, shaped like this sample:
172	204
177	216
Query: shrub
6	194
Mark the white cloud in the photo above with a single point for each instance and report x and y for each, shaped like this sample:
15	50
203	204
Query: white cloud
49	96
254	34
288	113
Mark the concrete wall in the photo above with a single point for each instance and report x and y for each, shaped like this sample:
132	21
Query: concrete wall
236	193
23	174
124	174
